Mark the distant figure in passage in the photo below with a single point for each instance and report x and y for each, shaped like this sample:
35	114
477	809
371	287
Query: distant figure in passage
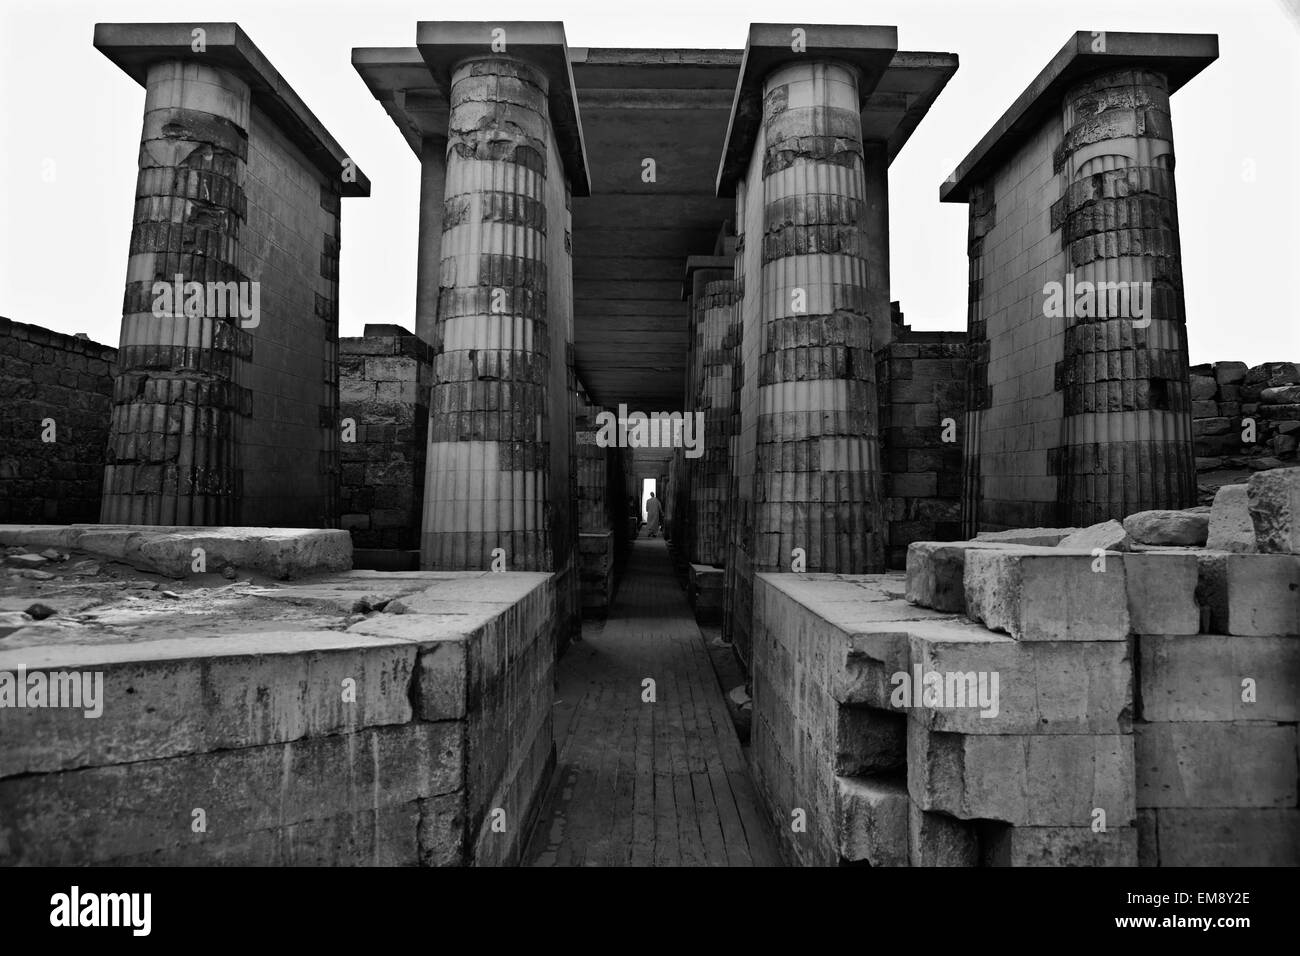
652	514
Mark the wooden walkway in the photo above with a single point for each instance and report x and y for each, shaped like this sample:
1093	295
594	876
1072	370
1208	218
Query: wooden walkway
647	784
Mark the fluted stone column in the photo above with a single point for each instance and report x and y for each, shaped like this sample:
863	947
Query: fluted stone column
713	304
177	400
1128	425
488	466
817	481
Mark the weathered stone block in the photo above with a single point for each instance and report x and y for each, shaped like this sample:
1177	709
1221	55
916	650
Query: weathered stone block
1070	687
1061	846
1048	596
1273	498
1231	528
1162	592
177	696
1199	677
1208	764
937	839
1229	373
1044	537
1203	387
1108	535
1224	836
1250	594
936	573
1168	527
1050	780
872	820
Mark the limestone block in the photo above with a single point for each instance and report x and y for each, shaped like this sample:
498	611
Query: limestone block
1043	687
1056	596
937	839
1281	395
1280	413
1162	592
1107	535
103	813
1202	427
176	696
1048	780
1250	594
1061	846
1231	528
1210	764
1274	501
1229	373
1045	537
1199	677
1203	387
1168	527
867	740
936	571
1225	836
871	820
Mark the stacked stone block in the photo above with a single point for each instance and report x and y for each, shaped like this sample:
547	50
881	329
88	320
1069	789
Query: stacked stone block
1146	705
64	381
383	407
1243	419
379	745
921	378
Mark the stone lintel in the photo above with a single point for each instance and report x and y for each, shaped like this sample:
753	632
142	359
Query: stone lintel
694	263
903	96
444	44
868	48
1179	56
134	47
400	80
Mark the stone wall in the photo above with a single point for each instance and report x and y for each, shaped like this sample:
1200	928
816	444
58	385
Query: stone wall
384	379
921	377
1244	420
1145	707
68	380
375	741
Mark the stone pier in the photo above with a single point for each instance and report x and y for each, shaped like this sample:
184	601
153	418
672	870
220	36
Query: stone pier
225	405
1078	405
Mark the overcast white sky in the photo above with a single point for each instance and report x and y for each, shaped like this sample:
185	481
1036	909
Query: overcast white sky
63	237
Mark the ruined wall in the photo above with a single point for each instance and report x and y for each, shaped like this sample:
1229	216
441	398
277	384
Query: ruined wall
1145	709
256	731
46	374
1244	420
921	378
384	381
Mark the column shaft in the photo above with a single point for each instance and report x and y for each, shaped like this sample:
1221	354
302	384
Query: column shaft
488	466
177	402
1128	441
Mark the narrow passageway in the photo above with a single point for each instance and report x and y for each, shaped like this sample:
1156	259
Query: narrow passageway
640	783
